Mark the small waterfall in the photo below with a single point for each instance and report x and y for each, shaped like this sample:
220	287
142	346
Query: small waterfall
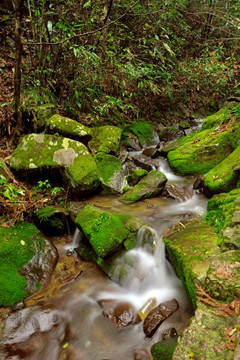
76	239
144	272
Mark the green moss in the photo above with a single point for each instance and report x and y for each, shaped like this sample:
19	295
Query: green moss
220	210
107	165
150	185
105	231
68	128
46	212
184	125
200	153
16	249
105	139
163	350
136	176
143	130
224	176
183	271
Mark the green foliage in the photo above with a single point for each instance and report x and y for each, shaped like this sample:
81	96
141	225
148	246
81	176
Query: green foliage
46	212
10	191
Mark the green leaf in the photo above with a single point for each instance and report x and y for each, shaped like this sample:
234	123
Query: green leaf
87	4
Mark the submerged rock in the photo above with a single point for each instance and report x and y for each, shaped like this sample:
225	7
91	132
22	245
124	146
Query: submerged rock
120	314
37	153
150	185
225	176
156	316
68	128
105	139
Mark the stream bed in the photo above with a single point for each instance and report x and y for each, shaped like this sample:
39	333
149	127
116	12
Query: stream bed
65	320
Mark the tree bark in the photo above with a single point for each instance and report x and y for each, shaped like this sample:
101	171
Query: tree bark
17	73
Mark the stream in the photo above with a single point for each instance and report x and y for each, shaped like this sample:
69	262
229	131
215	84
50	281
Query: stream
68	322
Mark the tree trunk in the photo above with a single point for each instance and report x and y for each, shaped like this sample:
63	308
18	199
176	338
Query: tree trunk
17	73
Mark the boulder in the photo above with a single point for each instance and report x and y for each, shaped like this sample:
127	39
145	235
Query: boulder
191	249
105	139
219	117
41	113
68	128
199	152
145	162
150	185
223	276
39	153
225	176
156	316
144	132
110	173
106	231
23	251
206	337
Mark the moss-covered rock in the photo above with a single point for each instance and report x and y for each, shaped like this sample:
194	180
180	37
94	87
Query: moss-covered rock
18	245
219	117
37	153
110	173
68	128
191	250
105	139
136	176
199	152
223	277
106	231
144	131
206	337
51	221
163	350
150	185
225	176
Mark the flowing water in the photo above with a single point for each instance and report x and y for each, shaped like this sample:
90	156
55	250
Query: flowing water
71	325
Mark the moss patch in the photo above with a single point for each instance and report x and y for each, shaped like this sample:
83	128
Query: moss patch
143	130
191	250
150	185
16	249
68	128
105	139
225	176
107	165
163	350
200	152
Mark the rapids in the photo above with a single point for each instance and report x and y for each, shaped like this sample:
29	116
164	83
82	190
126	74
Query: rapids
70	324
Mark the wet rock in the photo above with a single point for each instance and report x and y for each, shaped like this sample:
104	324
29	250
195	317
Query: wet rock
163	350
199	183
123	155
169	333
63	158
170	133
178	192
68	128
223	276
156	317
105	139
33	332
38	270
74	207
150	152
121	314
142	354
150	185
145	162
